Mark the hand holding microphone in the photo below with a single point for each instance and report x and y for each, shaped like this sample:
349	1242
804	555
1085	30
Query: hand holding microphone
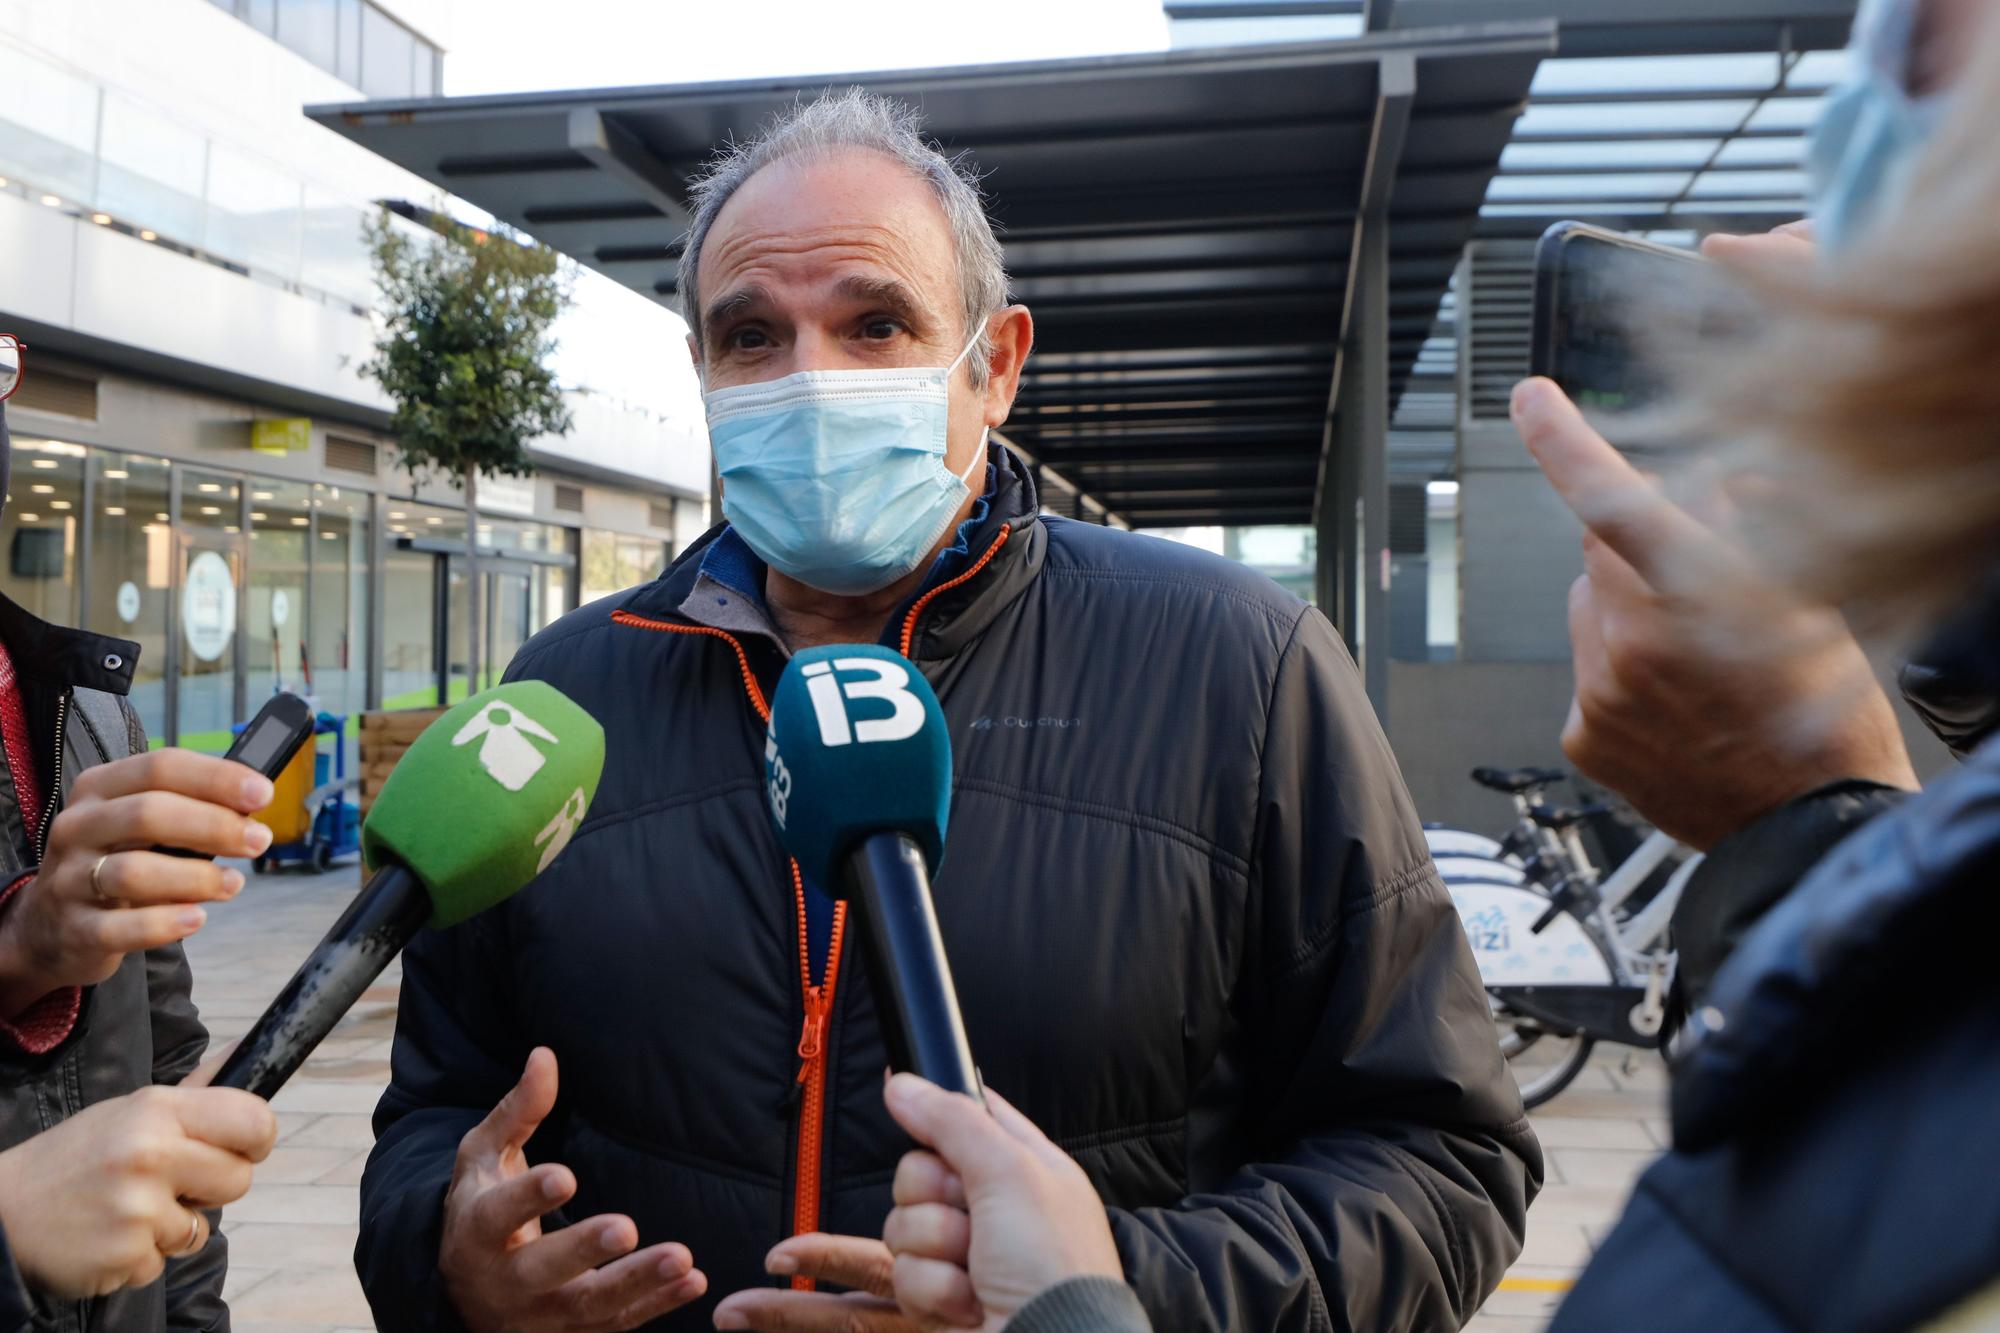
101	1201
989	1214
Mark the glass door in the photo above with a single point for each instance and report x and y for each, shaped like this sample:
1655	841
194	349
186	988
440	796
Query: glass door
509	615
208	606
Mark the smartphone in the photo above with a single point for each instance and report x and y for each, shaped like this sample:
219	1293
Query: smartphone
1605	303
274	736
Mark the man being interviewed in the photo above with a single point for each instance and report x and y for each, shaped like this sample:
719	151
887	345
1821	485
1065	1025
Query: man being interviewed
1195	930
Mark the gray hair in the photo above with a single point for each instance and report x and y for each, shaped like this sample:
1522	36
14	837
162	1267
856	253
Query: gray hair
855	119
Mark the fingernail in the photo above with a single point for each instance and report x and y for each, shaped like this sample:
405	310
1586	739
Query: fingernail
1524	396
257	791
731	1319
671	1267
192	919
781	1265
232	883
256	837
552	1186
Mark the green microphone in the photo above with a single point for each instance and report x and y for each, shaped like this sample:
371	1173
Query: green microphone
480	804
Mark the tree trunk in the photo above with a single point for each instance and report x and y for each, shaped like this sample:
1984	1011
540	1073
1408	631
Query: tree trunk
473	598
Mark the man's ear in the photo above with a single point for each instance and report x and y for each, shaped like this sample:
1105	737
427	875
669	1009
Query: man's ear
694	351
1013	334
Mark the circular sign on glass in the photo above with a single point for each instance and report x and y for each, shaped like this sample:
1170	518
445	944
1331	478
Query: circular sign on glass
128	601
281	607
208	606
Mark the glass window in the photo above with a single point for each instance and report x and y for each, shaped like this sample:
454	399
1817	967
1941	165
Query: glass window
426	70
337	642
211	577
613	561
254	212
152	170
44	523
261	15
131	558
310	27
275	610
388	55
335	259
409	661
347	65
48	128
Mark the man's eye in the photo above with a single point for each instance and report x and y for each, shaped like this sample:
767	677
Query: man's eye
880	329
749	339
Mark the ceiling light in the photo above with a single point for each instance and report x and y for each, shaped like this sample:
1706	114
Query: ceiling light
101	219
300	520
53	201
116	473
397	514
160	518
209	487
47	463
258	517
232	528
1442	488
260	495
432	518
43	490
148	234
329	536
29	518
59	504
116	511
210	510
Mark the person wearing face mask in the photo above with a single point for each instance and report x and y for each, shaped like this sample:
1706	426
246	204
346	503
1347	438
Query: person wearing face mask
1833	1090
1193	924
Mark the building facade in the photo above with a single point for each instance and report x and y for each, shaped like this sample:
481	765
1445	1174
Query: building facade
198	464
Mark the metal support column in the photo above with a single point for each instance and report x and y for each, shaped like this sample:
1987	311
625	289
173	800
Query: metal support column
1365	406
1351	508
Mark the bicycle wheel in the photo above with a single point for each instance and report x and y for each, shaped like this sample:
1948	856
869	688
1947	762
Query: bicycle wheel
1542	1062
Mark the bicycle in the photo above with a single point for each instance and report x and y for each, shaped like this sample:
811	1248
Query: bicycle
1564	967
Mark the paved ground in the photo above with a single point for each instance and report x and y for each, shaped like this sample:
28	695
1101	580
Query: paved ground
292	1238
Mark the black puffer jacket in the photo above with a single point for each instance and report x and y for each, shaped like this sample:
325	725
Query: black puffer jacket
1835	1166
1196	934
137	1028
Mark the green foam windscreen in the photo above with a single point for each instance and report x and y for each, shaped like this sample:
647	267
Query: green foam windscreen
487	796
857	745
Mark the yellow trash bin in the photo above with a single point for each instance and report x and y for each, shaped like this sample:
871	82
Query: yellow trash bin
286	815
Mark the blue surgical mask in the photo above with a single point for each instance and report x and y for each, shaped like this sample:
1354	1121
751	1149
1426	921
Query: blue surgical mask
1872	130
837	477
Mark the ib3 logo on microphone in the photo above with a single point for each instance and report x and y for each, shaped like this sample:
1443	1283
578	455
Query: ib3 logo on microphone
891	683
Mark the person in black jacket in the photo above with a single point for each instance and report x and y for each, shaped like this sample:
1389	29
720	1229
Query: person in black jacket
1833	1165
1193	923
94	987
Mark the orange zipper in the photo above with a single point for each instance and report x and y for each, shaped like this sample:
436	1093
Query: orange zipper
818	999
812	1066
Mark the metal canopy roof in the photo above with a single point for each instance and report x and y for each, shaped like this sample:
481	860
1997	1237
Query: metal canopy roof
1182	224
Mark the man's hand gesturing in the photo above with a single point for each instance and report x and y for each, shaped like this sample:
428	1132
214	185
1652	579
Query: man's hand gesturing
504	1273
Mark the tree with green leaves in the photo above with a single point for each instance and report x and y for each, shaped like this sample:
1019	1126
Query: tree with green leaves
463	353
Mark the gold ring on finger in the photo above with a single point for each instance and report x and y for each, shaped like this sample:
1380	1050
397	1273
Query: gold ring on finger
192	1243
96	884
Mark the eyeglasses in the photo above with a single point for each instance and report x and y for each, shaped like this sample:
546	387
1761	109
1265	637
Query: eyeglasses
13	365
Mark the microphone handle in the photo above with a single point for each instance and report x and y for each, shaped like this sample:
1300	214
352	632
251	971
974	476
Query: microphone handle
907	964
390	908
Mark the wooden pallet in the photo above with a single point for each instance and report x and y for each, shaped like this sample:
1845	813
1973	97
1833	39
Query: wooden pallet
385	737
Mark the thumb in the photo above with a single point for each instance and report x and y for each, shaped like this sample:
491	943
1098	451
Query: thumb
521	1112
205	1073
954	1126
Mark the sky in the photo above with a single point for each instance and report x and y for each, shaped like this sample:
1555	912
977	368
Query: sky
618	342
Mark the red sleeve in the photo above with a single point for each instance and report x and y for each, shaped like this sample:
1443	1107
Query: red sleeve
47	1023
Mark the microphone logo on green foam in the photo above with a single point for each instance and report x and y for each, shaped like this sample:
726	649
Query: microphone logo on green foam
505	751
558	831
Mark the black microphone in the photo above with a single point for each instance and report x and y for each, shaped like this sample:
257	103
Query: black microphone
478	806
858	775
